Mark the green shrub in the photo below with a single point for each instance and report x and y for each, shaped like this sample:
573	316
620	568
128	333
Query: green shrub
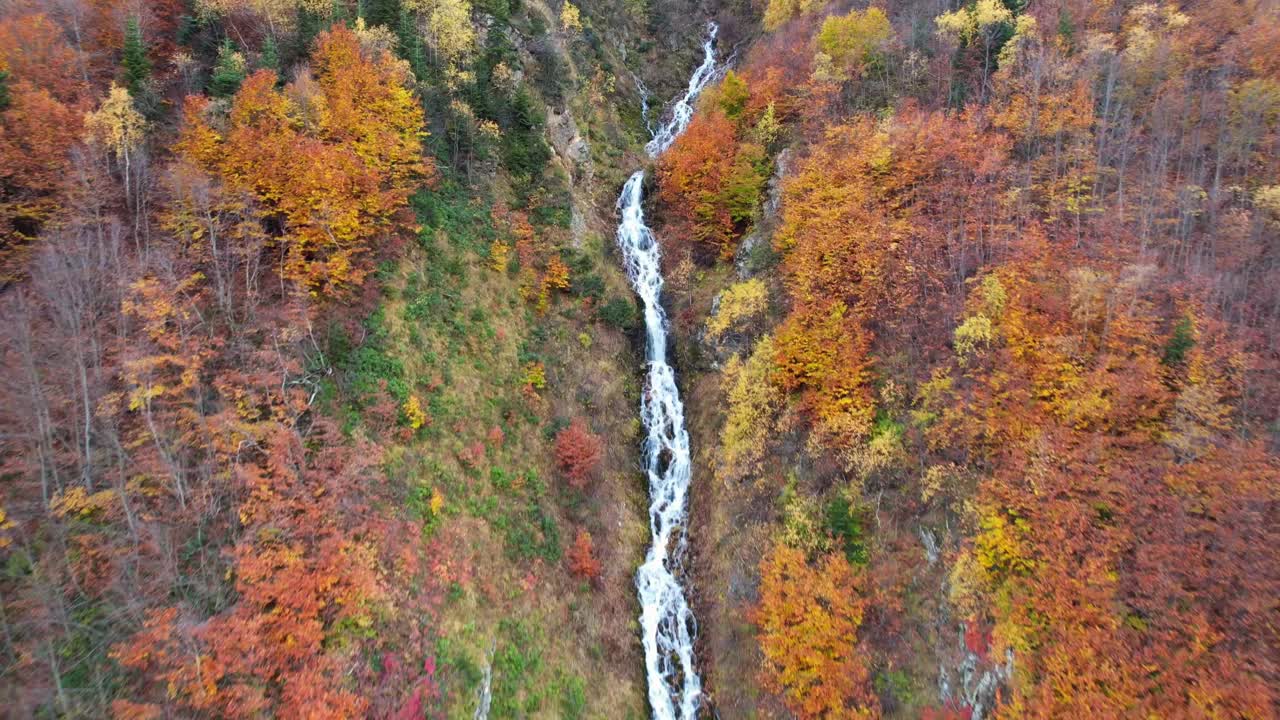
588	285
460	663
620	313
516	665
369	366
573	698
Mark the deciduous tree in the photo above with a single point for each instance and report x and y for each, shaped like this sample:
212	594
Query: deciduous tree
335	188
808	618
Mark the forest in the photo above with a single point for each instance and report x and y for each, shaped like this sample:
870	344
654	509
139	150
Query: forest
324	385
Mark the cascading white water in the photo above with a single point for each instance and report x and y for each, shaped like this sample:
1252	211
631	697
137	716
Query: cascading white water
667	623
644	104
682	112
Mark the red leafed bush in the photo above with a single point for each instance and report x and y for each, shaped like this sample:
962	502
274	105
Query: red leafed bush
472	456
578	453
496	436
582	558
977	639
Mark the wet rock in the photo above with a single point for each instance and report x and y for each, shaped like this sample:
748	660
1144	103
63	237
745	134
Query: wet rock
979	682
931	549
715	352
743	258
484	693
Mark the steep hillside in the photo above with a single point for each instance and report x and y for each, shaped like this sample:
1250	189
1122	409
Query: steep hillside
321	374
321	380
978	322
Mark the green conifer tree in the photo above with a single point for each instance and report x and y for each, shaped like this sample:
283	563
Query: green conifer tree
4	89
269	57
137	66
381	12
228	72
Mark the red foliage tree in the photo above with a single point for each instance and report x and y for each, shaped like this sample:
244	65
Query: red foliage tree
578	453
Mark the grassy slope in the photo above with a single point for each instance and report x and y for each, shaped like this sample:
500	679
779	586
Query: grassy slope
464	337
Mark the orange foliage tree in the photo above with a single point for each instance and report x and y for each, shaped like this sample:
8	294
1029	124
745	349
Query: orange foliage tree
302	580
331	160
711	179
808	619
692	176
1089	334
875	236
1120	520
316	171
39	125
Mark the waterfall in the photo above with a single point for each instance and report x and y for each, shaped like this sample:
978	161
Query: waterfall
667	623
682	111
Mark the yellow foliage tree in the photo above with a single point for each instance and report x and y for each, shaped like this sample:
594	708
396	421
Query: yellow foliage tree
979	24
448	24
969	22
740	302
117	126
753	402
414	413
570	18
979	328
851	41
1199	416
499	252
778	12
281	15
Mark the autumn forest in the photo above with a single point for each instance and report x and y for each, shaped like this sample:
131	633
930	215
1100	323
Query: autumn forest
928	365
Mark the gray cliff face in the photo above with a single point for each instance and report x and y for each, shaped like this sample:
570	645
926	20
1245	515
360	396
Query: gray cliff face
569	144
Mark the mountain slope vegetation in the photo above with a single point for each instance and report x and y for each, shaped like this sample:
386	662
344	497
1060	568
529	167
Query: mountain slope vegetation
319	371
313	338
988	298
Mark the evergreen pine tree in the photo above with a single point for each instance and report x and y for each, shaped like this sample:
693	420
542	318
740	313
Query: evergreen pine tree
410	46
381	12
269	57
228	72
309	24
137	66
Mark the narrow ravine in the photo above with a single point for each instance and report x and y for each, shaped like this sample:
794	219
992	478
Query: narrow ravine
667	624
